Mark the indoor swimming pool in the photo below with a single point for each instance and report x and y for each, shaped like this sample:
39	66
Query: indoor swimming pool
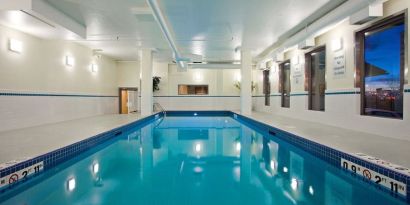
196	159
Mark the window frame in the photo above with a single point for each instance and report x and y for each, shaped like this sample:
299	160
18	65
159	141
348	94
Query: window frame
195	85
281	68
384	23
308	74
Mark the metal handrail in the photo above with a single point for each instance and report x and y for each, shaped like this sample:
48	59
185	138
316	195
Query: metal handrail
161	109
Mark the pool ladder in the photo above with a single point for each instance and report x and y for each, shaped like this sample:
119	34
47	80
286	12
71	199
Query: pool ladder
159	108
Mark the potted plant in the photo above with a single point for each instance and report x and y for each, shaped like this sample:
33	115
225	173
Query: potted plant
155	83
237	84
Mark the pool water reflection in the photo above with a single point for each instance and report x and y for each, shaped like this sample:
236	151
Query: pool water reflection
198	160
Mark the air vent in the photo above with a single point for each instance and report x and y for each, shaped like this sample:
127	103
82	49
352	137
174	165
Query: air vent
144	18
367	14
306	44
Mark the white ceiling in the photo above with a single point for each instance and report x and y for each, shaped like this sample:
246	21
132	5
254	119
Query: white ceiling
211	28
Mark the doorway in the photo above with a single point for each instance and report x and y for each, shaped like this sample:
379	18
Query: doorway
128	100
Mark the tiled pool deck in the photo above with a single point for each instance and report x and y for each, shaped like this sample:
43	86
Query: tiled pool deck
349	141
34	141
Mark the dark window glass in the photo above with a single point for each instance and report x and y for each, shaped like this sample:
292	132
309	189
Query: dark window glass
266	87
317	80
192	89
284	84
383	71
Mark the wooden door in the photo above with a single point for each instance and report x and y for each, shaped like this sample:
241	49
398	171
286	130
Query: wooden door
124	102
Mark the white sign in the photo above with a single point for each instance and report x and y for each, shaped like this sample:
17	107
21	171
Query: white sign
21	174
339	62
393	185
297	74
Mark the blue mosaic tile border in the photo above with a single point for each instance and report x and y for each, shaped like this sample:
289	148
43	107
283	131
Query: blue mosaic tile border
61	155
210	113
306	94
343	93
328	154
299	94
55	95
197	96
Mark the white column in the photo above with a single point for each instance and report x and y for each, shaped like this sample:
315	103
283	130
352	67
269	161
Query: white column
146	82
246	79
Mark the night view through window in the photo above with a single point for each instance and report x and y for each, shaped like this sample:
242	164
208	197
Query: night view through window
384	56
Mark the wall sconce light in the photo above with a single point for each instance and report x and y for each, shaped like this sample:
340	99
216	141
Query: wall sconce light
238	77
71	184
295	60
69	61
197	76
94	68
337	44
15	45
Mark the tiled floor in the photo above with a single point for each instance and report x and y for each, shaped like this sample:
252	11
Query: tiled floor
34	141
392	150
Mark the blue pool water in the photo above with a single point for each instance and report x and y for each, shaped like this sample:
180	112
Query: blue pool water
196	160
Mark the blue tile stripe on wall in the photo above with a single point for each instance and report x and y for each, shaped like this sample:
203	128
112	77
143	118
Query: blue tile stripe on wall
54	95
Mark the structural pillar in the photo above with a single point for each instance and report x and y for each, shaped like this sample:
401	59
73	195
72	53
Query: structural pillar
146	82
246	82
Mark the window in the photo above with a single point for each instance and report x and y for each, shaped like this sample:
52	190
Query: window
192	89
315	78
284	83
266	87
380	58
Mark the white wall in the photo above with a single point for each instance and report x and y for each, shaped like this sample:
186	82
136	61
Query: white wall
128	74
341	110
40	69
222	93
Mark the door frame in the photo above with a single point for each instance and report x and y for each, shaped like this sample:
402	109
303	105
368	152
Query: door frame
308	73
281	82
120	89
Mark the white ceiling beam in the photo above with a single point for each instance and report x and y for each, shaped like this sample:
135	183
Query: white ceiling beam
45	12
15	4
323	24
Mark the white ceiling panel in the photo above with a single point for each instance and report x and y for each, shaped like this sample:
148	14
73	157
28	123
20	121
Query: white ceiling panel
211	29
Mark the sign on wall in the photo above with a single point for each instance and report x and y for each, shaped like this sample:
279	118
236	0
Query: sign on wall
339	64
297	73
